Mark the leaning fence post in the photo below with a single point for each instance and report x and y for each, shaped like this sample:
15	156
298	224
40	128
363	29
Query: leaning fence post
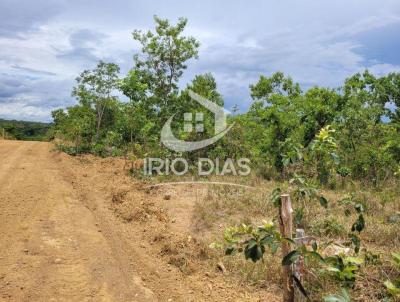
285	224
299	264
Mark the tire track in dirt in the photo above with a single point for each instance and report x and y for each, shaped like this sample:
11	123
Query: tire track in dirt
127	246
51	248
10	156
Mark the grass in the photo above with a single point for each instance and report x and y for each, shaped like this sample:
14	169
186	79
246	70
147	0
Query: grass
221	207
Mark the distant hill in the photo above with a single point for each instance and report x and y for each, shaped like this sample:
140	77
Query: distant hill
24	130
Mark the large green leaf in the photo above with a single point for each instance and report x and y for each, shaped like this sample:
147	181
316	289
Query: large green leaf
253	251
290	258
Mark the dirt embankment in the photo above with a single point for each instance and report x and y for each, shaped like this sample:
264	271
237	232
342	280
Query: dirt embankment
80	229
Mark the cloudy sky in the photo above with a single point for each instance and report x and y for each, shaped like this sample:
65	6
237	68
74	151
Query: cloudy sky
45	44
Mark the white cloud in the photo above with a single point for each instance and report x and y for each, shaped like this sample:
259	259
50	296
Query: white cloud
313	41
18	108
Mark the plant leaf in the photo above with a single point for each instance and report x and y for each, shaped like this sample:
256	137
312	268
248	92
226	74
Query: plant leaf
290	258
323	201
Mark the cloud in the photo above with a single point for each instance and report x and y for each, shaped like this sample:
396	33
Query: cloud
32	98
83	44
45	44
21	16
32	70
312	56
16	109
381	44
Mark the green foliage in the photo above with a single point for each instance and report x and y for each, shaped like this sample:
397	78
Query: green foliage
329	227
291	152
319	133
323	154
162	61
329	124
73	150
344	268
393	287
302	251
303	189
94	90
358	226
276	197
77	125
252	240
343	172
22	130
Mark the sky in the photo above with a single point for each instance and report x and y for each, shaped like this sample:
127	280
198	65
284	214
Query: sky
45	44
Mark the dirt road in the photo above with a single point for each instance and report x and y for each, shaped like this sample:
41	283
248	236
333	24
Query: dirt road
52	248
81	229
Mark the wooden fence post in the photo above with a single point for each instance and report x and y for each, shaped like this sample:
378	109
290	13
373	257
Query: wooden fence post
299	268
299	264
286	227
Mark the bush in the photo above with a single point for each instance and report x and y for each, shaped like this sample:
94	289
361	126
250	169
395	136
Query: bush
329	227
72	150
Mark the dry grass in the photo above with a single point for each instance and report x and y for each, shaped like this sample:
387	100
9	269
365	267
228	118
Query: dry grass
225	206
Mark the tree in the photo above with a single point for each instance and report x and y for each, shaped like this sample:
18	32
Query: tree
274	109
277	84
205	86
279	132
138	115
364	133
163	60
317	109
95	88
77	125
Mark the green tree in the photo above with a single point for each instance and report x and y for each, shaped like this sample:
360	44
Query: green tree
273	108
367	143
205	86
163	59
137	114
95	89
77	125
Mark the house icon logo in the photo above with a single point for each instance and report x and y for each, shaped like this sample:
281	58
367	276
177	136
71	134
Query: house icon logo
220	126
